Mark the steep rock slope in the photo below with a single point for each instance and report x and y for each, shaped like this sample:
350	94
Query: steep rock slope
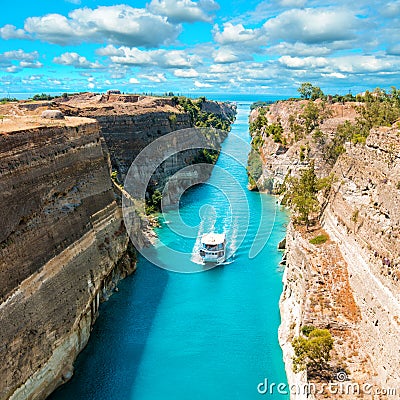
363	214
62	244
350	283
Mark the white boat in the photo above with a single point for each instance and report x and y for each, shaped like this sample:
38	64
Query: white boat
213	247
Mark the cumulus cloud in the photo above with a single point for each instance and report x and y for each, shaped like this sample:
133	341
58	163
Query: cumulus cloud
231	54
235	34
21	55
312	26
186	73
119	24
202	85
184	10
366	64
23	59
11	32
293	3
336	75
162	58
299	49
157	78
76	60
134	81
391	9
305	62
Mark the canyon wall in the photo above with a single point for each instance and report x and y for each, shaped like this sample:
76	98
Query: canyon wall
350	283
363	215
130	123
63	243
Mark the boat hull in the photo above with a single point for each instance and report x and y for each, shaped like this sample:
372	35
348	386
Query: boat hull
210	258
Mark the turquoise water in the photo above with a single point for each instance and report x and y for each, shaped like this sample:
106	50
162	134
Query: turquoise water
209	335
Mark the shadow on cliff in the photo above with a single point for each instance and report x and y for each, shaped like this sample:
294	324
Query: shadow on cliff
108	366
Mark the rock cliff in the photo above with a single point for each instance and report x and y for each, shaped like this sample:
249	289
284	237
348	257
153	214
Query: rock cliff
349	284
63	243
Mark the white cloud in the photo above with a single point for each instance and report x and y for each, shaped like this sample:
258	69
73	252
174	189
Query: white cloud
312	26
162	58
306	62
21	55
25	60
235	34
391	9
336	75
366	64
186	73
154	78
12	69
220	68
299	49
76	60
11	32
91	85
202	85
119	24
134	81
30	64
225	55
293	3
184	10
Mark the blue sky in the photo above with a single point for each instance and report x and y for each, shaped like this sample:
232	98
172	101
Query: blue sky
220	46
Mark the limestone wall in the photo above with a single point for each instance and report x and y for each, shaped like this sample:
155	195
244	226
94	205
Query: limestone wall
62	239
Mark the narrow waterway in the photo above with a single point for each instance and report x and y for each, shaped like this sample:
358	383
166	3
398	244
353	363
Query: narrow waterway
210	335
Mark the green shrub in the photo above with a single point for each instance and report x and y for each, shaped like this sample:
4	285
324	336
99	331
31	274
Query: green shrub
254	167
153	204
307	329
313	351
320	239
172	119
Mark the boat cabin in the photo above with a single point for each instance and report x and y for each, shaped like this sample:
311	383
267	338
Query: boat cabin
213	247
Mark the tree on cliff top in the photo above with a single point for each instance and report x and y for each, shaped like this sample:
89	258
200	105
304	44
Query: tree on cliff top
308	91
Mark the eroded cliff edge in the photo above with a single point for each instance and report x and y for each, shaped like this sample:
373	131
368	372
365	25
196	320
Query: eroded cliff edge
63	244
349	284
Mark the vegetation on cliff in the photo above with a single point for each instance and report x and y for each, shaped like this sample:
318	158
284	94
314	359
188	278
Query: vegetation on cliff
301	194
306	121
312	351
200	118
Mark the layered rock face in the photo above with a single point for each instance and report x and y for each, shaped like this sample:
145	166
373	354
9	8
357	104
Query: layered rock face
63	243
130	123
350	284
363	214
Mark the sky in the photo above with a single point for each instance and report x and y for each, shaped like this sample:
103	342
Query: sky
199	46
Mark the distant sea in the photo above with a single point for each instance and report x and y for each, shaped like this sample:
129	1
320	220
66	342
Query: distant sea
211	96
